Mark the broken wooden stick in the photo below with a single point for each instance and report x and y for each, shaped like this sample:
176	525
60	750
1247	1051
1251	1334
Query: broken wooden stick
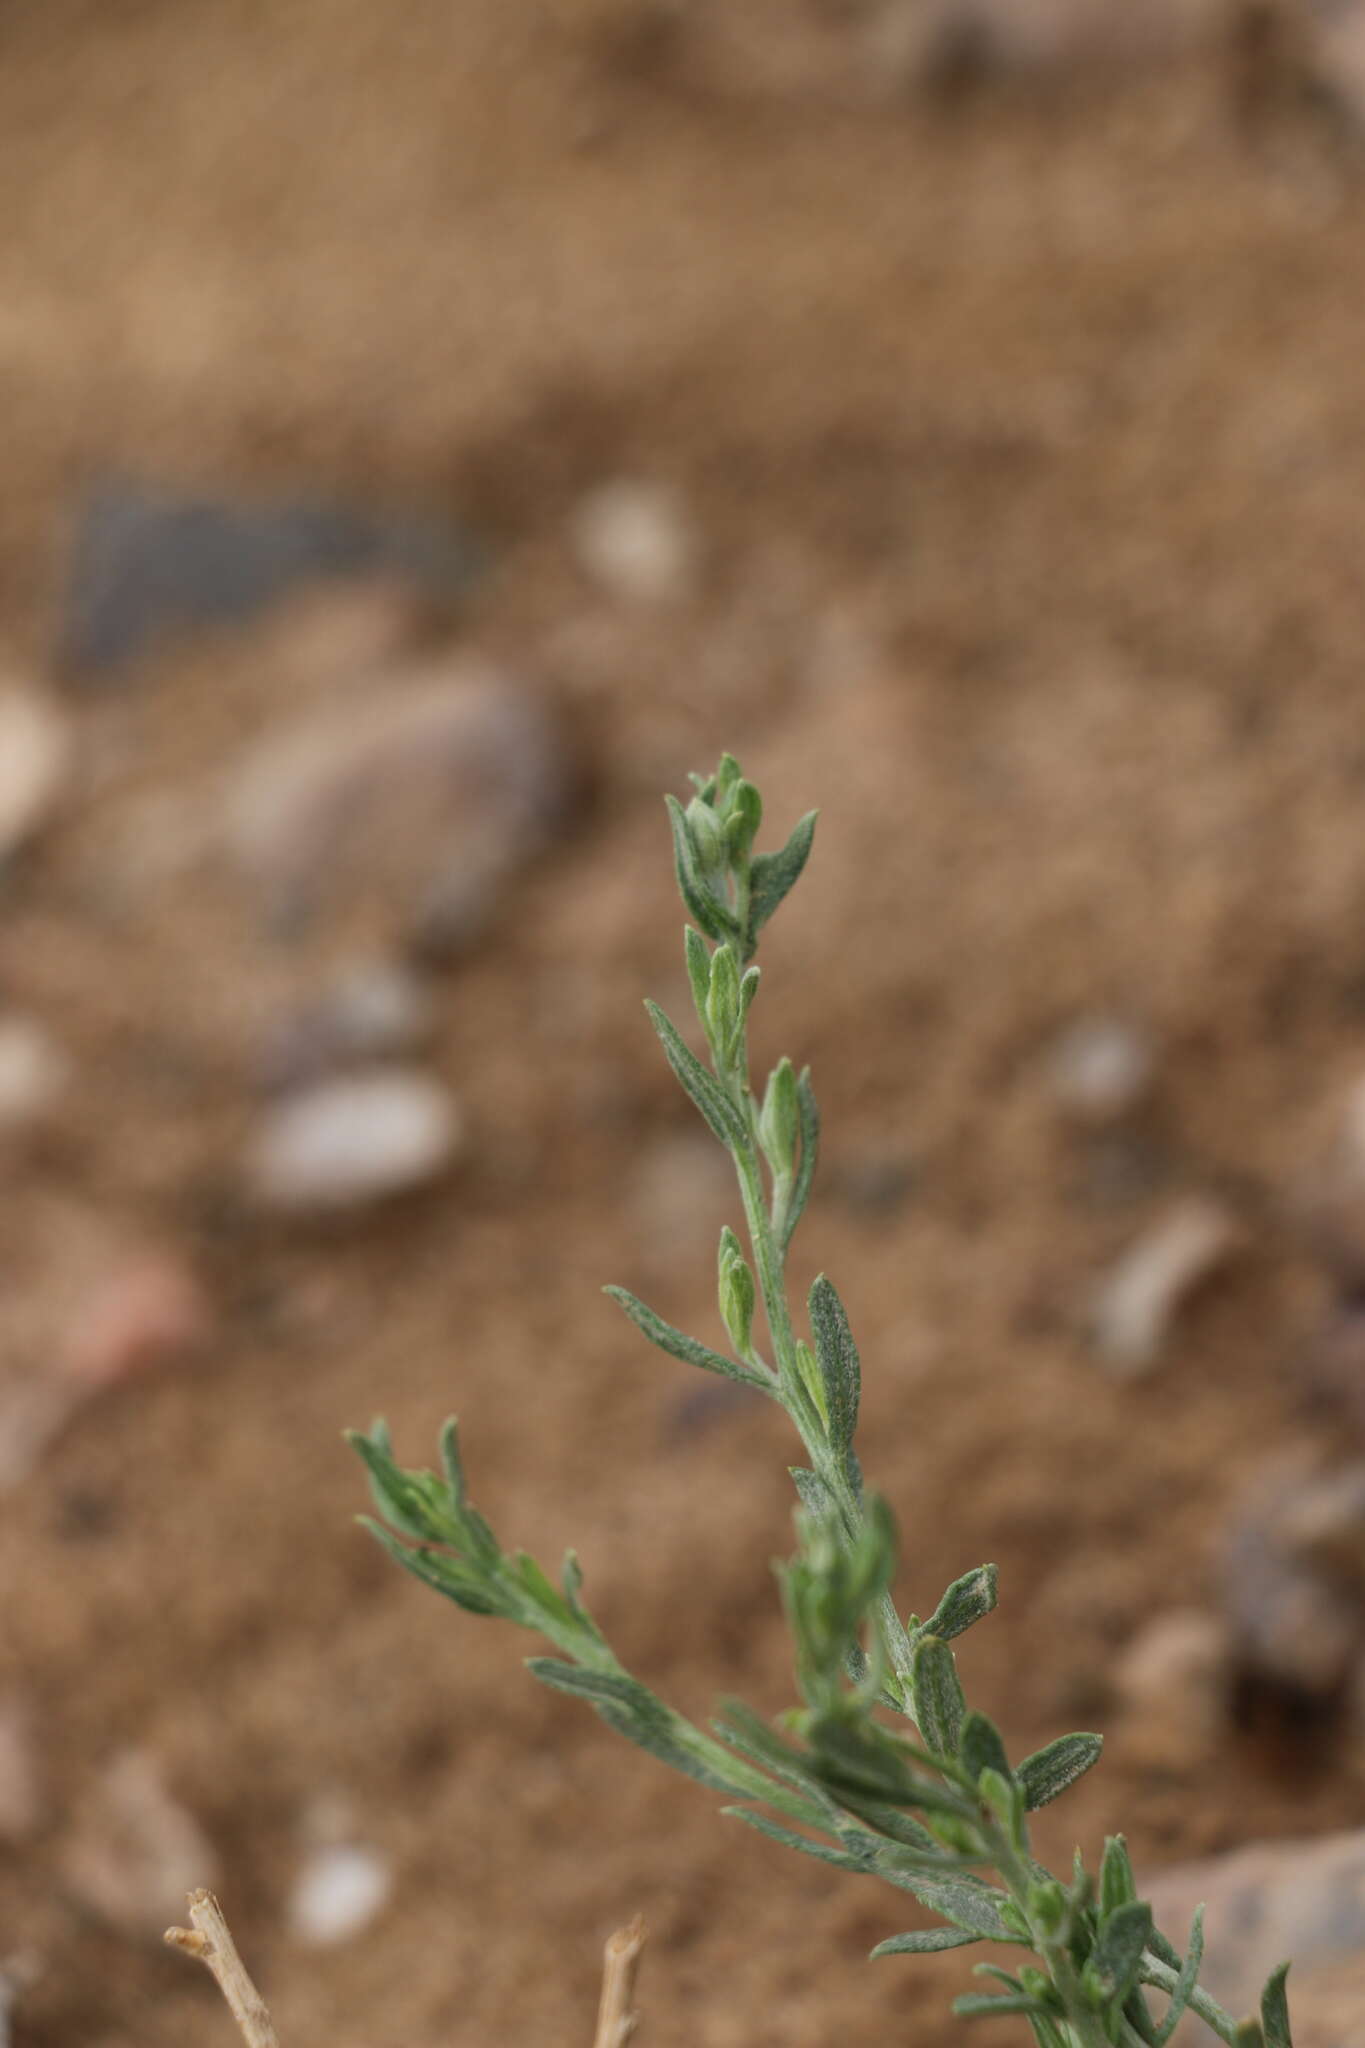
621	1959
208	1938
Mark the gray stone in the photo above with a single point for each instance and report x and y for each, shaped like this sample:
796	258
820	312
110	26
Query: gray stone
149	560
373	1010
393	793
1268	1903
1293	1572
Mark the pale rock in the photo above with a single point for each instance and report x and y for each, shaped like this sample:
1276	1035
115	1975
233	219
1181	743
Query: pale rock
21	1792
1265	1904
632	538
1137	1303
337	1893
344	1144
1172	1680
1293	1573
1100	1070
35	751
34	1073
147	1313
373	1010
394	788
136	1851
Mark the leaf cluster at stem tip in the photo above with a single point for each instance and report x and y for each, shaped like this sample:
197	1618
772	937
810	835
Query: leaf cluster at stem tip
882	1767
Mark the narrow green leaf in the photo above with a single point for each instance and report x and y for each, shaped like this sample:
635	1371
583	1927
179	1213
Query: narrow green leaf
452	1464
1049	1771
810	1151
966	1601
822	1851
698	969
837	1355
772	875
1163	1950
721	1116
779	1122
924	1941
751	1735
969	1904
1138	2015
975	2005
715	920
633	1710
395	1493
1185	1982
542	1593
870	1771
896	1826
1114	1962
1275	2010
443	1573
1118	1886
936	1693
981	1749
687	1349
1046	2033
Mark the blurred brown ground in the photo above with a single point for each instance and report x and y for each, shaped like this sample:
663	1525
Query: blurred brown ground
1025	443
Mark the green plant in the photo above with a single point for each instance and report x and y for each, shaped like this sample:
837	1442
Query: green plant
940	1812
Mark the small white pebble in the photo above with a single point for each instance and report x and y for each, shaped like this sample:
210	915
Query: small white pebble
33	1073
338	1892
1099	1069
632	538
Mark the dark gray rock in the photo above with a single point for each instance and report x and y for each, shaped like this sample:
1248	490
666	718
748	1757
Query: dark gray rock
149	561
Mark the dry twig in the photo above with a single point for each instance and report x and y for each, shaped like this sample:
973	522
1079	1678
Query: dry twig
621	1960
208	1938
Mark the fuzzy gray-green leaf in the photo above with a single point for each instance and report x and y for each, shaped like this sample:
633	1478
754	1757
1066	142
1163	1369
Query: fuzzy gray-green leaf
714	919
981	1748
1112	1968
967	1600
815	1495
936	1693
633	1710
973	1907
837	1354
722	1118
1185	1982
924	1941
1275	2010
810	1151
772	875
1046	1774
687	1349
975	2005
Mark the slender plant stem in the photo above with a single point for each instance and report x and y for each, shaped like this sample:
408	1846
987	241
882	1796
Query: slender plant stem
1163	1978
